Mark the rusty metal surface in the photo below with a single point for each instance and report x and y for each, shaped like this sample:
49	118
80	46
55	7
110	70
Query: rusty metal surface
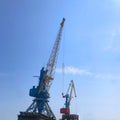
32	116
70	117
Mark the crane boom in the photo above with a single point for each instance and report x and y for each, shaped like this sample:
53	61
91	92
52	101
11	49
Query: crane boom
41	92
50	68
53	57
72	89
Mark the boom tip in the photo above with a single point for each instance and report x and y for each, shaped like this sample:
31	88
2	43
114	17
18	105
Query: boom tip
62	23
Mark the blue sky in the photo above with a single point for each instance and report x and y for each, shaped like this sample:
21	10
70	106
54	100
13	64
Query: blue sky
90	51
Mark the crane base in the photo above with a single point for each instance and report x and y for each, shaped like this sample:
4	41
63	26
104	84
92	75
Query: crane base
32	116
70	117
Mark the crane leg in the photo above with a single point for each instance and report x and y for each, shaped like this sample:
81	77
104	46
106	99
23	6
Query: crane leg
41	106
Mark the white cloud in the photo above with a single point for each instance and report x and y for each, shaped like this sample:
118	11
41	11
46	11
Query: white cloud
113	41
73	70
83	72
106	76
116	3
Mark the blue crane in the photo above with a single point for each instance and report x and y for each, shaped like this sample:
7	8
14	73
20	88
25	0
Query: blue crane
68	98
41	92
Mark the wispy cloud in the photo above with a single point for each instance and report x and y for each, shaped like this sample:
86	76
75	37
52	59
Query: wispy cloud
84	72
73	70
113	41
106	76
117	2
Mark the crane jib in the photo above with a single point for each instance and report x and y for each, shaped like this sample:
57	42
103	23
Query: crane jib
41	92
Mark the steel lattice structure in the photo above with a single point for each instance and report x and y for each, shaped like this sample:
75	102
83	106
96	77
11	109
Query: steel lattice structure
41	92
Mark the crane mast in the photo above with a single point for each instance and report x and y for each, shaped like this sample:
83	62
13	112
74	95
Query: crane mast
41	92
